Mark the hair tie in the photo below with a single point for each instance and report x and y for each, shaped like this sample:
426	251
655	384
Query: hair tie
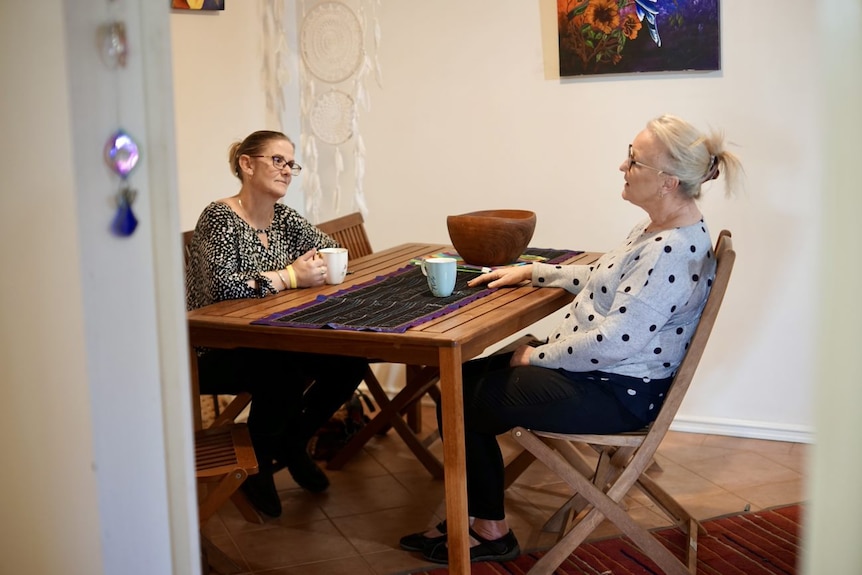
234	162
712	170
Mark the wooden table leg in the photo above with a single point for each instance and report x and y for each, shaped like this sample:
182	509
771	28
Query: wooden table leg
454	460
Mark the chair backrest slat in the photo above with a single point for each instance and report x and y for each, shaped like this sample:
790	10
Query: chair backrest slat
349	231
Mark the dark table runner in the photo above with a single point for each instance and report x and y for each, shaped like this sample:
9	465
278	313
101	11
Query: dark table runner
391	303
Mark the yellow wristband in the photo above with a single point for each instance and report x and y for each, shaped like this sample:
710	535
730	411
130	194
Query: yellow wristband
292	275
281	277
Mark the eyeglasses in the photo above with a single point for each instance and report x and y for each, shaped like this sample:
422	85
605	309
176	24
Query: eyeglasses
633	163
279	163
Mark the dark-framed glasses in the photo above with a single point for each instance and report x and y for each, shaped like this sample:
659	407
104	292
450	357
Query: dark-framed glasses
633	163
280	163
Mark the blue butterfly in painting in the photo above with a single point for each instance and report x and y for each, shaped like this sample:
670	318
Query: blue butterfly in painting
648	9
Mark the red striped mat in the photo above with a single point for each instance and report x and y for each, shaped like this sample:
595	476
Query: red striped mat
755	543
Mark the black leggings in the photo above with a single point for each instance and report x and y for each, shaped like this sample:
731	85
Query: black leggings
293	394
498	397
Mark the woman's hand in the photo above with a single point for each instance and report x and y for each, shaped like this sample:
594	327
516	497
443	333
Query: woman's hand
310	269
504	276
521	356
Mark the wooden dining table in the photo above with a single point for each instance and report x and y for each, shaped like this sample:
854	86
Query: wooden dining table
445	342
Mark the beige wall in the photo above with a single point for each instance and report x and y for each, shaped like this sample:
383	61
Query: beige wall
467	119
220	97
48	489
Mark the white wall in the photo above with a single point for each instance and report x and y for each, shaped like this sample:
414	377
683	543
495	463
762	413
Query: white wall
119	297
470	117
220	69
467	119
835	519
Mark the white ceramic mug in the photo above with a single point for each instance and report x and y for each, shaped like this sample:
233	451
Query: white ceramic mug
336	264
441	274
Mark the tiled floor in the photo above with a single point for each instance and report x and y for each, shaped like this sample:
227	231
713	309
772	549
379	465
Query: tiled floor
385	493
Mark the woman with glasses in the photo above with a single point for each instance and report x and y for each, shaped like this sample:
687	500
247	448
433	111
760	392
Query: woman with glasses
607	366
250	245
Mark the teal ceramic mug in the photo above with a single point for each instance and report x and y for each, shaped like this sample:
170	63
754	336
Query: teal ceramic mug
441	274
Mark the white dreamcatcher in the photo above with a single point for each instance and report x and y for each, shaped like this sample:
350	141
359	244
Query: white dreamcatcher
333	52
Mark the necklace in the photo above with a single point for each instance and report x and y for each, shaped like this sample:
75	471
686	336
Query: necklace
248	215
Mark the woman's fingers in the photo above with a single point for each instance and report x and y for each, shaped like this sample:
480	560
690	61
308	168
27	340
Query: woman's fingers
310	268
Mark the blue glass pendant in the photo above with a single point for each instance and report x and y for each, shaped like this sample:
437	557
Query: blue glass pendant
121	155
125	222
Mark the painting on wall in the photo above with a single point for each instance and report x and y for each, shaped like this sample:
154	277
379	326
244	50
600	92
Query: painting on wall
197	4
625	36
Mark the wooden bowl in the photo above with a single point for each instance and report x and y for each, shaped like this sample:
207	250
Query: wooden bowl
491	237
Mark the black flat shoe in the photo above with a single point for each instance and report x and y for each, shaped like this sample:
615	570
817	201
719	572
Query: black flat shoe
419	541
261	492
505	548
306	473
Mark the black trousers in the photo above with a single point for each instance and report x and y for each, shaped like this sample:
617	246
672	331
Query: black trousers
498	397
293	394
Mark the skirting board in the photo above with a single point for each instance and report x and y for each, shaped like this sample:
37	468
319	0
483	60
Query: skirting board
740	428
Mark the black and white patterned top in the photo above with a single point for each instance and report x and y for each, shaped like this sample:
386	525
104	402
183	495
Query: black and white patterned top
226	252
635	309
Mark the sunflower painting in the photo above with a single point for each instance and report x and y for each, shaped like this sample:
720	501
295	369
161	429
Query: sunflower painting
621	36
197	4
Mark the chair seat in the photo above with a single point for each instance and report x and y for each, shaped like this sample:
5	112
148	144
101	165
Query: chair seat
628	439
220	450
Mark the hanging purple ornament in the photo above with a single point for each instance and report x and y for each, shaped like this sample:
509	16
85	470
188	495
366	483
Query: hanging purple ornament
121	153
125	222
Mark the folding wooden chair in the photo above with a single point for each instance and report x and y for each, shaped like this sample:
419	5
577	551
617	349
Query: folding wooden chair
349	231
624	458
224	458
